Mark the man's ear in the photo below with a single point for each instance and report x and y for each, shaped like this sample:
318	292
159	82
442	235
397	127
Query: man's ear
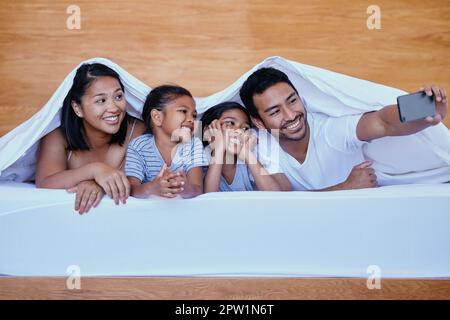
77	109
258	123
157	117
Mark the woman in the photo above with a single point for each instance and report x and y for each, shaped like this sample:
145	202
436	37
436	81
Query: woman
86	153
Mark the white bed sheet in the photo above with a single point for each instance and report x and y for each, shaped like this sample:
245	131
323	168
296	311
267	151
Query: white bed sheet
403	229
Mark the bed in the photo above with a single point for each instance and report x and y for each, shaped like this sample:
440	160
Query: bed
293	244
241	244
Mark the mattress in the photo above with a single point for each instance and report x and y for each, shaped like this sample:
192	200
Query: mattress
403	231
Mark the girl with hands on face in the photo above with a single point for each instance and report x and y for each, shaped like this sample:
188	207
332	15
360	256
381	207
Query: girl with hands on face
234	165
167	161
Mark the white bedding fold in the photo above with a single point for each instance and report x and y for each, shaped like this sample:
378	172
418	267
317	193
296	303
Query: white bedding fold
420	158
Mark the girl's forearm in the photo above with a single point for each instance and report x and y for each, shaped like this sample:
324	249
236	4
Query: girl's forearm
143	190
264	181
191	191
212	178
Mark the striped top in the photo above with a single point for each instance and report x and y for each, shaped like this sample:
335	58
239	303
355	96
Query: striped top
144	161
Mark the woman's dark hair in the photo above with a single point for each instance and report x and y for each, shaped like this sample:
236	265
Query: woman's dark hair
158	98
72	125
258	82
216	112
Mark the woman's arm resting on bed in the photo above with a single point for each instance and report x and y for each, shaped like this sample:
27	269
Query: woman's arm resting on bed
386	122
52	172
87	195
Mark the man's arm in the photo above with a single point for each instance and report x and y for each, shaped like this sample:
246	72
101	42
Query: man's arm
386	122
362	176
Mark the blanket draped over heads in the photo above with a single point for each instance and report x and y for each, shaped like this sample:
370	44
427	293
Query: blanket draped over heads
423	157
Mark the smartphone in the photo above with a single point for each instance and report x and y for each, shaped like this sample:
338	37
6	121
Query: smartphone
415	106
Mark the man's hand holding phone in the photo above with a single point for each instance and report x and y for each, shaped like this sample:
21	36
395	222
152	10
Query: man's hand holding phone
440	98
429	104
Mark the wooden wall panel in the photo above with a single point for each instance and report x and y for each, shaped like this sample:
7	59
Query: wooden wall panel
206	45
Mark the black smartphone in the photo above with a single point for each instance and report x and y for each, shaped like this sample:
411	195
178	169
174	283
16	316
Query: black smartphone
415	106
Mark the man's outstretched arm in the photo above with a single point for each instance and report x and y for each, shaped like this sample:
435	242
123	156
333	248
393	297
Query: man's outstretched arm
386	122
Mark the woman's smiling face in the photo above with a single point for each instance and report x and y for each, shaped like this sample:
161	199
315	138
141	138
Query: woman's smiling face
103	105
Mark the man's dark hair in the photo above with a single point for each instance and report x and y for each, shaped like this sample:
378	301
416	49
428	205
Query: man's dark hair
258	82
158	98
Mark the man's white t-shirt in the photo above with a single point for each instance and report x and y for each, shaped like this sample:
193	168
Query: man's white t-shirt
333	150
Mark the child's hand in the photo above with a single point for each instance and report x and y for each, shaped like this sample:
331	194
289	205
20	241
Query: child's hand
167	184
178	180
88	195
248	142
193	187
215	138
182	135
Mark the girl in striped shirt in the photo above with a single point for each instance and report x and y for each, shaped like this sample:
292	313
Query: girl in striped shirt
167	161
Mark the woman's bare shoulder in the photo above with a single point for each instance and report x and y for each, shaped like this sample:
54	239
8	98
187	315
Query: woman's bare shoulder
55	137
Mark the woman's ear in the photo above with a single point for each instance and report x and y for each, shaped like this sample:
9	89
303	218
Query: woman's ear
157	117
77	109
258	123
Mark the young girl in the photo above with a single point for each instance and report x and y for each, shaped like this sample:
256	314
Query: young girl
234	165
86	153
167	161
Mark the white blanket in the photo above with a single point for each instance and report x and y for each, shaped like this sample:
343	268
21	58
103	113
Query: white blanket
420	158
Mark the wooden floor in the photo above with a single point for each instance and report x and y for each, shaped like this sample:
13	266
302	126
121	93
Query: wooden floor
218	289
205	46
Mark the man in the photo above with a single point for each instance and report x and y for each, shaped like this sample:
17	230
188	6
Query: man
319	152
